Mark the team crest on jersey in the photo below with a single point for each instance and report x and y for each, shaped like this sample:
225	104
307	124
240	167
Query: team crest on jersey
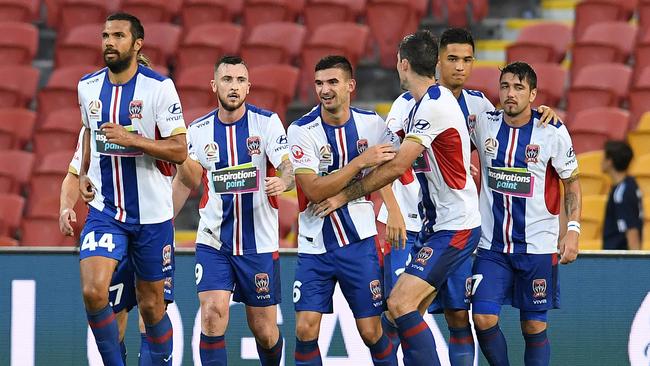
539	288
471	123
167	255
491	147
424	255
253	145
468	286
135	109
211	151
262	283
95	109
362	145
532	152
375	290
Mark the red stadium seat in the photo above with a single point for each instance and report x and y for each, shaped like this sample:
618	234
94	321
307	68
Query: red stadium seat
596	11
599	85
192	114
639	100
61	90
19	123
45	184
602	43
543	42
486	80
19	10
591	128
273	43
389	22
319	12
347	39
273	88
15	170
73	13
18	43
81	46
60	131
151	11
206	43
18	85
197	12
193	85
644	17
642	53
6	241
258	12
551	81
161	42
11	212
43	232
288	221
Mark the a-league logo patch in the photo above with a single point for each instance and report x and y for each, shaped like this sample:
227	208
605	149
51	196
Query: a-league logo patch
362	145
167	255
532	152
539	288
253	145
262	283
468	286
491	146
135	109
375	290
95	109
424	255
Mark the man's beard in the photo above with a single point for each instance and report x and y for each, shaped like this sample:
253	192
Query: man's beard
225	105
120	64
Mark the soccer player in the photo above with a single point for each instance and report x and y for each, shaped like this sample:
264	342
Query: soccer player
516	263
234	150
437	138
134	130
332	146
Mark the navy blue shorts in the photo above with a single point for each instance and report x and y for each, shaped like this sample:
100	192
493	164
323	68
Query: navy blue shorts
254	279
529	282
121	293
357	269
150	247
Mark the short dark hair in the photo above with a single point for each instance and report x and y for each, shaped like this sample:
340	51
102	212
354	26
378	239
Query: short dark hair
456	35
421	51
137	30
230	60
620	153
335	62
523	71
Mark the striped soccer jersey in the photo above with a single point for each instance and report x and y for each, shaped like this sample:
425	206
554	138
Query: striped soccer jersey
236	215
521	168
449	198
324	149
407	189
130	186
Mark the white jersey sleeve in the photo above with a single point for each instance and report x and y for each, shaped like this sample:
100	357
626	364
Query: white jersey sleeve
427	124
563	156
169	118
399	113
277	147
75	163
303	153
191	146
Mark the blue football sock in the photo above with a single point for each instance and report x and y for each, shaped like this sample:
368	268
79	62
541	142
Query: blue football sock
107	335
538	349
461	346
418	345
144	357
383	353
390	330
273	355
160	337
493	345
307	353
213	350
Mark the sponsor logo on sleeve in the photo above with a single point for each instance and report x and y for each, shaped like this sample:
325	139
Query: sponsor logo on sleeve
421	126
281	140
297	152
135	109
175	111
532	153
570	153
253	145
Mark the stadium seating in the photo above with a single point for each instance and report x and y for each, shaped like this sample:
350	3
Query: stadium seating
206	43
15	170
6	241
485	79
551	80
162	42
60	131
590	244
18	85
18	43
256	12
639	138
273	43
73	13
348	39
273	88
597	86
319	12
640	169
11	212
197	12
592	127
639	99
38	232
192	114
193	85
593	216
19	10
603	43
288	221
19	123
81	46
592	179
644	16
646	223
61	90
595	11
151	11
642	52
543	42
45	183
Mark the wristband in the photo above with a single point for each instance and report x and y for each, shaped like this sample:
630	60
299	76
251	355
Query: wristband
573	226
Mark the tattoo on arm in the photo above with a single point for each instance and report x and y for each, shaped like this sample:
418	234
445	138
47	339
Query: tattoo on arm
570	203
286	172
354	191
